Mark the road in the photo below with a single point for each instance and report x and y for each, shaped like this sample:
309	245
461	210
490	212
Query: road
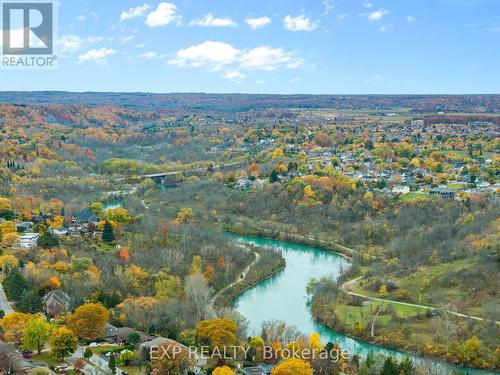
345	288
4	304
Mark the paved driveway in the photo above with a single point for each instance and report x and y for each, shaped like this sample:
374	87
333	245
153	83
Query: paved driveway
4	305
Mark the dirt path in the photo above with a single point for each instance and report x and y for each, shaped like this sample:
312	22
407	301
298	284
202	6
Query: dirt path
240	279
345	288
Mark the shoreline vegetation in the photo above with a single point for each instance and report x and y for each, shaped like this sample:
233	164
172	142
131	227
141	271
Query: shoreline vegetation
338	325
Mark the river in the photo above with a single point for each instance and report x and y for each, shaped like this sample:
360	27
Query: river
283	297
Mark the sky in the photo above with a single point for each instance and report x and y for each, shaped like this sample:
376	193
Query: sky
272	46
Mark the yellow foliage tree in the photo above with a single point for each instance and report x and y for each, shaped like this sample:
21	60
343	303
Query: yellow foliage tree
224	370
293	366
13	326
10	239
383	291
88	321
185	215
217	333
8	262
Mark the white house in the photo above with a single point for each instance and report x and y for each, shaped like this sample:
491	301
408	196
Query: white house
400	189
28	240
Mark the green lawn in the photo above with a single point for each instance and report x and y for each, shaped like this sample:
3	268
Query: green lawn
412	195
106	348
455	186
46	358
459	153
103	246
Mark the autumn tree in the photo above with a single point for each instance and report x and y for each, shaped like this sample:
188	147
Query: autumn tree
36	334
172	362
62	342
293	366
13	326
224	370
88	321
184	216
217	333
140	312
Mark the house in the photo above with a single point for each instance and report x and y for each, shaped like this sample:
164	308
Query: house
400	189
443	193
84	216
24	226
56	302
120	335
28	240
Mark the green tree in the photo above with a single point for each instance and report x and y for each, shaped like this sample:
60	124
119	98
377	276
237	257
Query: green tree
87	353
133	338
30	302
47	240
62	342
108	235
36	334
112	363
390	367
406	367
15	285
126	357
274	176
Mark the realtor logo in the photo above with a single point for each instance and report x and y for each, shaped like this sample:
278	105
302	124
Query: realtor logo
28	28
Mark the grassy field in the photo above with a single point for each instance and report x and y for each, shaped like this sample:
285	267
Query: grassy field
46	358
352	315
458	153
412	195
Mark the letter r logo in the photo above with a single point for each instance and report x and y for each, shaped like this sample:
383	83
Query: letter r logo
27	28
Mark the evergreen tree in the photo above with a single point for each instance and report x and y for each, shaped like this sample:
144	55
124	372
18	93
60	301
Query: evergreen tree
390	367
108	234
30	302
47	240
274	176
87	353
112	363
15	286
406	366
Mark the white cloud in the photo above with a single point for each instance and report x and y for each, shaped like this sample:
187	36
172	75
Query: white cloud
134	12
377	15
410	19
97	55
367	4
68	44
208	53
233	62
328	4
210	21
299	23
151	55
82	18
164	14
266	58
258	23
342	16
127	38
235	75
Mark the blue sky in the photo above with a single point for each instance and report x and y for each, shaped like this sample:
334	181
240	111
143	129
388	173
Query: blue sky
273	46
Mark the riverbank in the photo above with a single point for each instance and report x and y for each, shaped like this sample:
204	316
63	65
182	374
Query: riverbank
246	230
398	329
263	268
